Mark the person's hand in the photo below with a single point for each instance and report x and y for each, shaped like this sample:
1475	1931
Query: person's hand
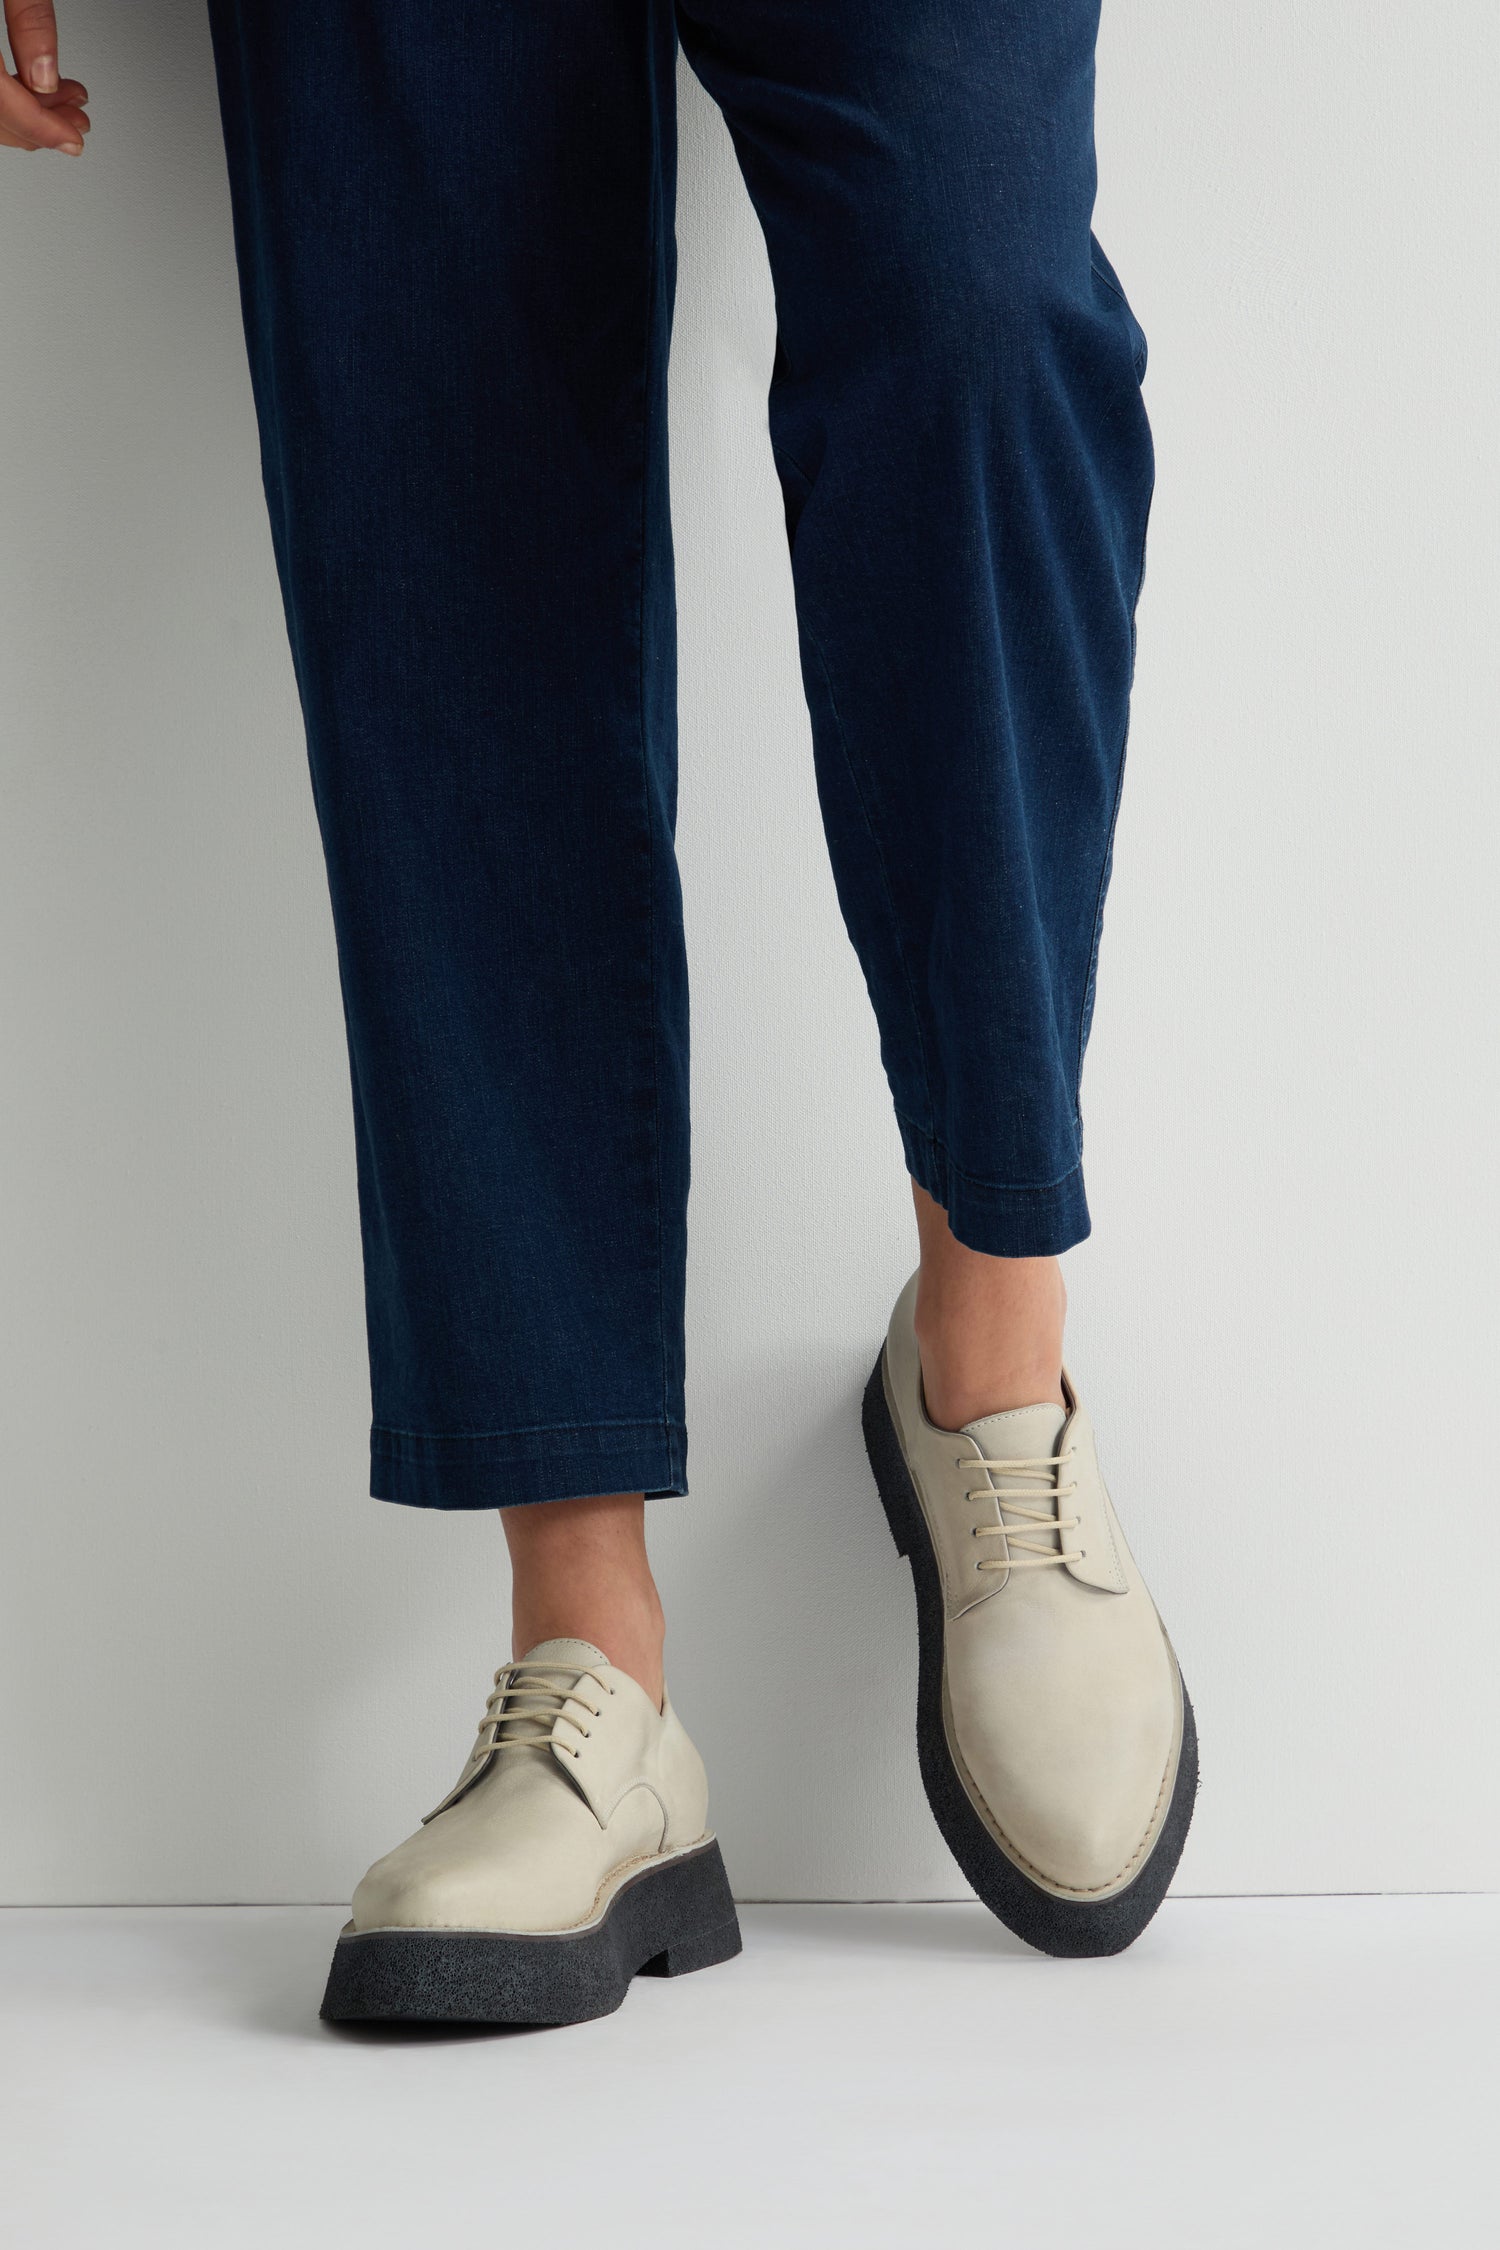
37	108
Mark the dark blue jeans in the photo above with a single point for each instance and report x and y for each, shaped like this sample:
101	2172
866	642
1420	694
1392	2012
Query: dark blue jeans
455	235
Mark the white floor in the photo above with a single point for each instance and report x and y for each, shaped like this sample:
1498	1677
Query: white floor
1265	2073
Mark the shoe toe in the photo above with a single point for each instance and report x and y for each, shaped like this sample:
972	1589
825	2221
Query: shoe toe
462	1875
412	1890
1073	1781
1082	1848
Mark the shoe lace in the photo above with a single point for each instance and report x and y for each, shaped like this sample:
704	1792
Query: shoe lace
526	1703
1029	1520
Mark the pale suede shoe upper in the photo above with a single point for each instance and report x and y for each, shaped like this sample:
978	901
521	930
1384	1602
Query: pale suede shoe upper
576	1780
1062	1700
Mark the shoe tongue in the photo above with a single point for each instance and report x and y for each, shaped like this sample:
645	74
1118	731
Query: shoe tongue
1026	1433
582	1653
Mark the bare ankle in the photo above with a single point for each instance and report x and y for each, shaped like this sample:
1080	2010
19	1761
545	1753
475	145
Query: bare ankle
989	1329
579	1571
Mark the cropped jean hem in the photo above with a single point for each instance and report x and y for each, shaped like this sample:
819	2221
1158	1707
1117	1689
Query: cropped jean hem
1003	1222
516	1468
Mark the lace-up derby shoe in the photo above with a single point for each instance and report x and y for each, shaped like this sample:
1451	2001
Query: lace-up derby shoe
572	1854
1056	1739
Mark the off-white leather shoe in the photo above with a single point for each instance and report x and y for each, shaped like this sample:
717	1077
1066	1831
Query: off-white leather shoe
1056	1739
572	1854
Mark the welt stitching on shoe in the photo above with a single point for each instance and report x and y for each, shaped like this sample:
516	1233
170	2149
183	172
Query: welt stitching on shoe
642	1859
1069	1890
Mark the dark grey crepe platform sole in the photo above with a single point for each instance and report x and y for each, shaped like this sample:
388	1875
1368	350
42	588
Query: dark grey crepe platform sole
1072	1927
665	1922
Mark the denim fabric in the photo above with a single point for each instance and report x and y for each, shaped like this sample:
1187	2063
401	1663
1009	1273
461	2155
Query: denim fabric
454	229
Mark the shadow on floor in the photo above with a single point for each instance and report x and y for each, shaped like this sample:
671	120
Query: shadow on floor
265	1967
955	1929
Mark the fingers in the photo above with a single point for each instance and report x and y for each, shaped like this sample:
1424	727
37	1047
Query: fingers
54	121
67	105
39	109
33	41
26	122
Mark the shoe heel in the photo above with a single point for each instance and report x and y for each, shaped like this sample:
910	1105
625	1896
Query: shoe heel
885	1457
704	1950
695	1922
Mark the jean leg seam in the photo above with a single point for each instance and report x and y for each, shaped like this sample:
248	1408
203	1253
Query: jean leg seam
1086	1012
885	881
648	361
1139	354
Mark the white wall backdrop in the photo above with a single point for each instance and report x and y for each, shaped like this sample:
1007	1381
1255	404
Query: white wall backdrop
225	1673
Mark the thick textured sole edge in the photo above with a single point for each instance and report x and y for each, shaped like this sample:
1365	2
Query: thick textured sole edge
1072	1928
675	1916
